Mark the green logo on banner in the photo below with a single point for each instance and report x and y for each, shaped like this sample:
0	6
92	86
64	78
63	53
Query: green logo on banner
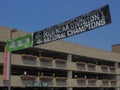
19	43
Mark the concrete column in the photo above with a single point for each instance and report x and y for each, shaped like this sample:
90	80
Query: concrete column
116	65
69	73
117	77
69	57
39	54
70	77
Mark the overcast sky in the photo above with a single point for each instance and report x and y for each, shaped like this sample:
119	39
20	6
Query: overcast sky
35	15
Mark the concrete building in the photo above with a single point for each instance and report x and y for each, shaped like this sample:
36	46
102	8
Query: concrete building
60	65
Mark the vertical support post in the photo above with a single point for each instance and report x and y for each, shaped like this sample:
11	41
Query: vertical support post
9	81
69	73
117	76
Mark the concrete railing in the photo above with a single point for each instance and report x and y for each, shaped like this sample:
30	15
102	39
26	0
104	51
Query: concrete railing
95	83
94	68
18	82
18	60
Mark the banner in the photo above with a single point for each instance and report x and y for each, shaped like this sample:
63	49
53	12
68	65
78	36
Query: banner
6	64
20	43
80	24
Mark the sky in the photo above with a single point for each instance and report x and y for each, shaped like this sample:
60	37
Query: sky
36	15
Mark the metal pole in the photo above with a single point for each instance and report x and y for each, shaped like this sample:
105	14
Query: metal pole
9	81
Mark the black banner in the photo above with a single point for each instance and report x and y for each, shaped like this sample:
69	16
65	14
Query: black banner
87	22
